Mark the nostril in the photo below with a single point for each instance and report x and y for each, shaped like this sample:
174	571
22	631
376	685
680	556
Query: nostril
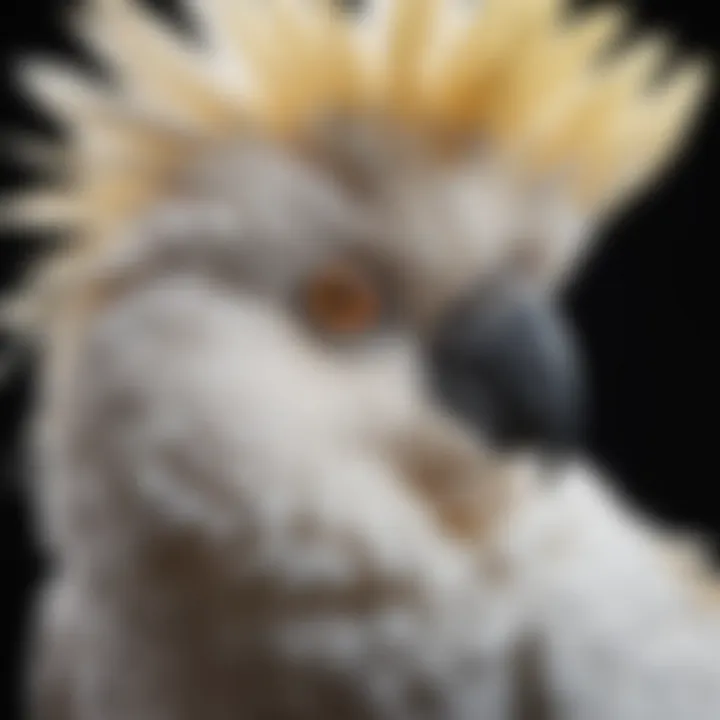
506	362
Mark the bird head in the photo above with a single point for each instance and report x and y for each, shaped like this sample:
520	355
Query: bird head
336	236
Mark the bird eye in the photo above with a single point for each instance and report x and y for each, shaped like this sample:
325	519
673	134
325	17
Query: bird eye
342	299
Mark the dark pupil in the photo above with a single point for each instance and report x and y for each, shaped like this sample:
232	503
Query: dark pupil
340	296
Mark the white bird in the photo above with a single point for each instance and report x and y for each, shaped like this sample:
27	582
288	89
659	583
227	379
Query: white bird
301	380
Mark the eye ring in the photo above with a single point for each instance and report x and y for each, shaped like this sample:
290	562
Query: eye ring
343	300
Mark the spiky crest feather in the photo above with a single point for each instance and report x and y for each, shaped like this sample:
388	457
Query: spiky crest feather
515	72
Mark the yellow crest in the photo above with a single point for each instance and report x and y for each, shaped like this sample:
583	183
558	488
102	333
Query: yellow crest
541	86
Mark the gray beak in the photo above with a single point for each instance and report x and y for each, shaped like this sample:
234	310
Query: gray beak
505	362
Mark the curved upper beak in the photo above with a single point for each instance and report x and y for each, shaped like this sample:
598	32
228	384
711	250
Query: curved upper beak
505	361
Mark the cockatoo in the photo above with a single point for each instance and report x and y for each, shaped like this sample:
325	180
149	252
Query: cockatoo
307	418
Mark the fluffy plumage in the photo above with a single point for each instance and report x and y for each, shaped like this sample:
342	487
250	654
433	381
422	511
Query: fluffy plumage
552	93
247	520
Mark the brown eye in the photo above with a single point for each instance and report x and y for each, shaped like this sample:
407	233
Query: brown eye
342	299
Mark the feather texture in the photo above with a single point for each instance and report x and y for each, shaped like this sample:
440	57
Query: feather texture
514	72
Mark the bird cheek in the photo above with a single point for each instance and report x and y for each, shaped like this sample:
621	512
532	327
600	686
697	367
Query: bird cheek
385	393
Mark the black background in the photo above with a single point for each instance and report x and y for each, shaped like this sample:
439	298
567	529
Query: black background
644	307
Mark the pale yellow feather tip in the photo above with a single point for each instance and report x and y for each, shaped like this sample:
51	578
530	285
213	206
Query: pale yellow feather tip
545	86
